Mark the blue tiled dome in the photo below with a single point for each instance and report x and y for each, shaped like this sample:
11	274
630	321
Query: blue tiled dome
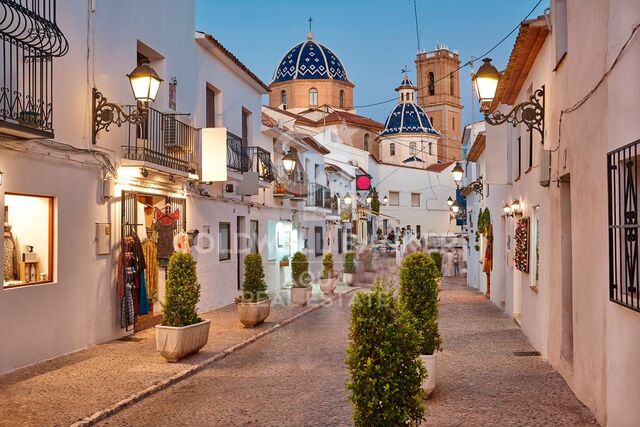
408	117
309	60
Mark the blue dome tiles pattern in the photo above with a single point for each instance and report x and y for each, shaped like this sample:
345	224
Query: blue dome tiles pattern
408	118
310	60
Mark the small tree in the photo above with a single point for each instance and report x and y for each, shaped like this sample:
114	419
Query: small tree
437	258
182	292
375	202
300	270
327	266
349	266
386	373
419	296
254	288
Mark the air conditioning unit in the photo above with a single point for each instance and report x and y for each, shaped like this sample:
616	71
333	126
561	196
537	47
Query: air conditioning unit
545	167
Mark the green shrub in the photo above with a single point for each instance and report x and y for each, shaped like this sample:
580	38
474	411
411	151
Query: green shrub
182	292
349	266
386	373
300	270
419	296
375	203
367	260
254	288
327	266
285	258
437	258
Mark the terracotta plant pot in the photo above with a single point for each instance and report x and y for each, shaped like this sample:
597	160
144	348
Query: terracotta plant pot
429	361
174	343
284	263
349	278
300	296
327	286
253	313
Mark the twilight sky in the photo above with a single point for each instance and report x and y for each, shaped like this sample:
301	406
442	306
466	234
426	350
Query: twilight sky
374	39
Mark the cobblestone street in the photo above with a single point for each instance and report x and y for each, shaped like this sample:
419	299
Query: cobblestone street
296	376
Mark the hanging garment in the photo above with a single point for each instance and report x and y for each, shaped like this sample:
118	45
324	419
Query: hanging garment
166	225
181	243
138	253
10	251
150	250
143	297
127	313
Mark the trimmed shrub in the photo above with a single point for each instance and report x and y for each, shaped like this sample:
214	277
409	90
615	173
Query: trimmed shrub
254	288
419	296
349	266
327	266
300	270
182	292
437	258
386	373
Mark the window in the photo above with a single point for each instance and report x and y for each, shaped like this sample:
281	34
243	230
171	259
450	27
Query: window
319	241
415	200
394	198
224	241
341	98
453	123
349	243
560	28
412	148
365	144
340	240
535	248
392	149
313	97
431	83
430	148
255	237
402	97
283	99
28	240
418	230
211	108
245	127
452	85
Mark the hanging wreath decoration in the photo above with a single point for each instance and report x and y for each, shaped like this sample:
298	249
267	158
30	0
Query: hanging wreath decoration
522	245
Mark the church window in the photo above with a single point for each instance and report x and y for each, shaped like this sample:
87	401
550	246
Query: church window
453	123
283	99
366	142
430	148
412	148
431	83
341	100
452	84
313	97
392	149
402	96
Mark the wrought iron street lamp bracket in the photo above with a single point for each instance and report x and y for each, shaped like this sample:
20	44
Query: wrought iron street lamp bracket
476	186
105	113
530	113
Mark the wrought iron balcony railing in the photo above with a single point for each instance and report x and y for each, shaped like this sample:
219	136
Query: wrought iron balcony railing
319	196
241	158
163	140
30	39
294	184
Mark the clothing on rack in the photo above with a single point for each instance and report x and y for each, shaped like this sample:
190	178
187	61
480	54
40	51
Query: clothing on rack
143	297
166	224
130	281
181	243
150	250
10	250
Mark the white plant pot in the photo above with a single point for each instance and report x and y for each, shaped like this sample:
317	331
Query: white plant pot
253	313
429	361
174	343
300	296
349	278
327	286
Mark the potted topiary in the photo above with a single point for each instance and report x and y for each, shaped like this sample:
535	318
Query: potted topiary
437	258
253	303
419	296
349	272
182	332
284	261
385	372
369	273
328	279
300	287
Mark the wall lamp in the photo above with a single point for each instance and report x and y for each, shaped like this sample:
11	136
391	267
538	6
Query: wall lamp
289	162
530	113
369	199
385	200
449	201
347	199
457	172
516	207
145	83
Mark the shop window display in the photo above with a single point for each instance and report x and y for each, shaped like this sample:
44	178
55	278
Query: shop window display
28	240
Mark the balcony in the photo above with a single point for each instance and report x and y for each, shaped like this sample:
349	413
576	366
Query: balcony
163	141
294	185
30	39
319	196
242	159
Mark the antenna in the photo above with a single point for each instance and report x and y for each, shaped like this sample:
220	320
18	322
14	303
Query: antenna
415	12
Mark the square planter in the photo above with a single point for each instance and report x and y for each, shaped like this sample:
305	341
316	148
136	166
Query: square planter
327	286
300	296
349	278
174	343
252	314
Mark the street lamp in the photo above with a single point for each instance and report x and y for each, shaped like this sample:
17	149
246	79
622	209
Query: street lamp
369	198
530	113
455	207
145	83
507	209
347	199
450	201
289	162
486	83
516	207
457	173
385	200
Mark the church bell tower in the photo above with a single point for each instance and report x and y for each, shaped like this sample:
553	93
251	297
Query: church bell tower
438	81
